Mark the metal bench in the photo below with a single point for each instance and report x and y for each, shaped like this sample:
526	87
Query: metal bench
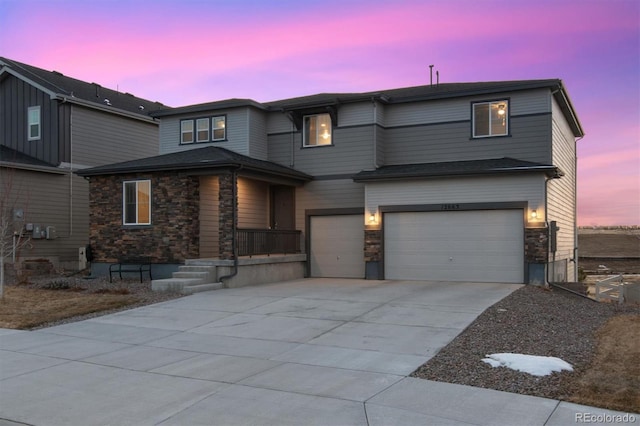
138	265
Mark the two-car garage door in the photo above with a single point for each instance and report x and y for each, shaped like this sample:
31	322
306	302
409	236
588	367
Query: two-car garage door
480	246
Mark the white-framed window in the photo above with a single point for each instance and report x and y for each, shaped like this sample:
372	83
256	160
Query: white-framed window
202	126
490	119
136	202
317	130
33	118
186	131
219	128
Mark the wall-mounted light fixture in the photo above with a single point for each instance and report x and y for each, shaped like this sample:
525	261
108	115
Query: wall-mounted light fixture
534	214
372	218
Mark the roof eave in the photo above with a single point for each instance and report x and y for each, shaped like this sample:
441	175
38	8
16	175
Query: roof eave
551	172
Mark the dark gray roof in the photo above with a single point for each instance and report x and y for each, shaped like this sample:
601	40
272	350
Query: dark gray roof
56	82
196	159
224	104
8	155
456	168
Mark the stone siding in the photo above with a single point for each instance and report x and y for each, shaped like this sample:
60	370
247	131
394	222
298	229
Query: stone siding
372	245
226	215
173	235
536	247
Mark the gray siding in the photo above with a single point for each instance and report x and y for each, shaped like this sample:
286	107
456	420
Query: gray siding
16	97
351	152
101	138
237	125
209	232
58	200
562	195
257	122
530	140
327	194
253	203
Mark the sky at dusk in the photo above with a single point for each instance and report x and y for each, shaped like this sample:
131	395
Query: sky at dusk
182	52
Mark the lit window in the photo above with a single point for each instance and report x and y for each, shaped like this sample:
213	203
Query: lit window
219	128
186	131
317	130
137	202
490	119
34	123
203	130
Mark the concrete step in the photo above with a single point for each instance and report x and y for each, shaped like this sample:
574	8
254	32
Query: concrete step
204	276
174	284
201	287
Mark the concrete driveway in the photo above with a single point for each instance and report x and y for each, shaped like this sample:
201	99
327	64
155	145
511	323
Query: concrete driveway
313	351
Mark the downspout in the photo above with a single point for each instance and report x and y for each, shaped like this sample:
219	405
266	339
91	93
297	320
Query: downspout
70	169
375	133
234	243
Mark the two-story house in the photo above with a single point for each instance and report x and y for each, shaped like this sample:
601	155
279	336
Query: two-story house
451	182
50	126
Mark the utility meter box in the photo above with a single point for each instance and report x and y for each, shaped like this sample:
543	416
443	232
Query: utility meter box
51	233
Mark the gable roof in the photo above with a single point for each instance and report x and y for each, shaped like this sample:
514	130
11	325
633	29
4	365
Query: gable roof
73	90
456	168
196	159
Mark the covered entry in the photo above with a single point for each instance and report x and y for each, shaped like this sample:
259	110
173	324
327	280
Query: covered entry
336	246
475	246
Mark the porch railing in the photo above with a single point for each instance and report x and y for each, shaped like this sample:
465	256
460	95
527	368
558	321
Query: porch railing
267	241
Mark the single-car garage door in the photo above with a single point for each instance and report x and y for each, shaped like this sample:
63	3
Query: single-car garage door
480	246
337	246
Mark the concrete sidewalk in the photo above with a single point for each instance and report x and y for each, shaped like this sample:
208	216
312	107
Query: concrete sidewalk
314	351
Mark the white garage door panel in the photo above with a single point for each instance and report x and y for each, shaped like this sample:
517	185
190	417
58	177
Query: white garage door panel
482	246
337	246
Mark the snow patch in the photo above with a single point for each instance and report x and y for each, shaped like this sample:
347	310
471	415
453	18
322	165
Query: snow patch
532	364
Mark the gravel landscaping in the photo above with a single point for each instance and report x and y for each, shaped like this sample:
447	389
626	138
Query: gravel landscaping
532	321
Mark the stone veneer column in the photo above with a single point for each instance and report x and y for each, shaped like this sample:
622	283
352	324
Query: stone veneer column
372	240
536	254
227	204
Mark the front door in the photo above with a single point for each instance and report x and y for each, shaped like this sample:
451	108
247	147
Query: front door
283	207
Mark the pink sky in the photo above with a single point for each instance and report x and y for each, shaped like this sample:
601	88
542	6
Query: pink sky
182	52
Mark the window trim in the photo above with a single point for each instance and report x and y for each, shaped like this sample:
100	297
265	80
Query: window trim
137	204
506	101
38	124
182	131
304	130
197	129
214	118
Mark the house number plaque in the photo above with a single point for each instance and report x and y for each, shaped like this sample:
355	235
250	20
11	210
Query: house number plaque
450	207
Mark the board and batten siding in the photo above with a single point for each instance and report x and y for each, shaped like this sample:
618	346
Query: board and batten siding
253	203
257	123
209	223
237	126
562	192
101	138
16	96
523	188
58	200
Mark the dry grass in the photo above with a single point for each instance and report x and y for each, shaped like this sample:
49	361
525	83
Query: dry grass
24	308
613	379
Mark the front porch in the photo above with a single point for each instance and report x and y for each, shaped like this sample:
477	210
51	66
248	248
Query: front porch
205	274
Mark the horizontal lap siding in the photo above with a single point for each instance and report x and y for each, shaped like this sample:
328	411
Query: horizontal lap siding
209	232
237	125
53	200
101	138
257	134
528	188
562	197
327	194
529	140
253	204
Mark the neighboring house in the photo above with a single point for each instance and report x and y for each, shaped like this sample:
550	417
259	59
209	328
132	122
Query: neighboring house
452	182
50	126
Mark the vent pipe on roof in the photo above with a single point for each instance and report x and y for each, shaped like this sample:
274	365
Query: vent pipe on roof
431	75
437	78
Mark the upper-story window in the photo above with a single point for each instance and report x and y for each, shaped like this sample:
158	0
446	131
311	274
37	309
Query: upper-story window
33	123
186	131
490	119
317	130
136	202
203	130
206	129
